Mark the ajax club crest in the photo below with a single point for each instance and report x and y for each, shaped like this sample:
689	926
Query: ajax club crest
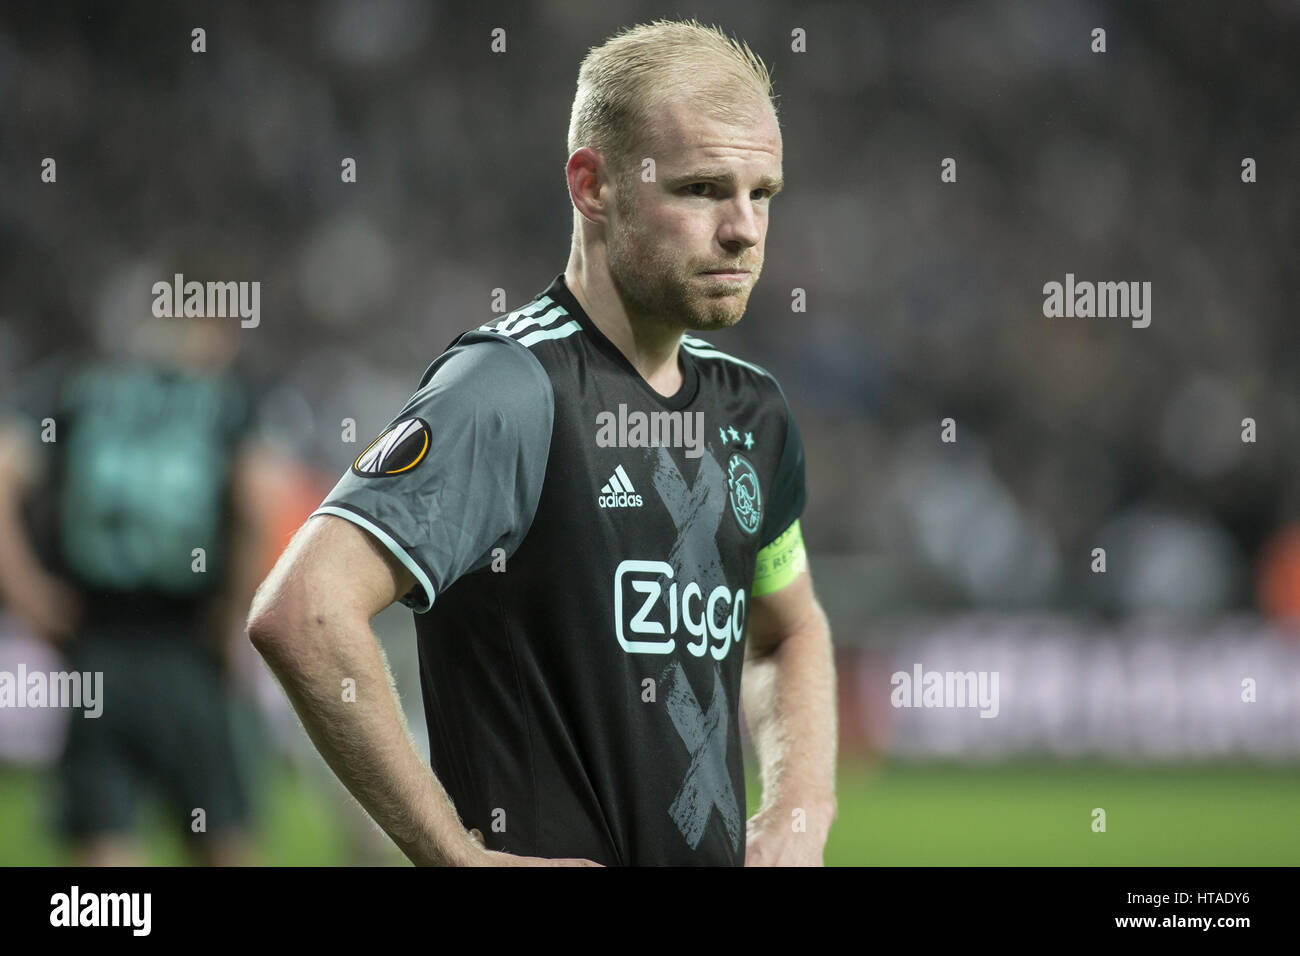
746	499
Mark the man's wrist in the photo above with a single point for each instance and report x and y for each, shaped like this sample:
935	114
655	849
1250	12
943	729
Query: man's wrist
460	850
817	809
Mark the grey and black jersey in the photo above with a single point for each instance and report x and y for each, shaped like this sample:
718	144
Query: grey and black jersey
584	550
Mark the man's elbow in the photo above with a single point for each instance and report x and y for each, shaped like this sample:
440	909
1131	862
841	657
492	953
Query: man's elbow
288	623
278	617
266	625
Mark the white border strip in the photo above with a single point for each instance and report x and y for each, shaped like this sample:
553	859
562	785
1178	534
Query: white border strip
708	351
398	551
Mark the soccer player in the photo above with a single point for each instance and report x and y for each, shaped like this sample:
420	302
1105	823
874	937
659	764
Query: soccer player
594	515
126	539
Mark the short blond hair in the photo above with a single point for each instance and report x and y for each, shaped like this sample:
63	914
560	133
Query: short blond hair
645	65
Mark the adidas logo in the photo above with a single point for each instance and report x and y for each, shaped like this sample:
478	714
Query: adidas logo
618	491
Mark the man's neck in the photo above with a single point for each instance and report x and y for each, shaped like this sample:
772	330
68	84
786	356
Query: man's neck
650	346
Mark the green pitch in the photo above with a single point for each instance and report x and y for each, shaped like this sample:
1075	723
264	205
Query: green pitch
1041	815
893	815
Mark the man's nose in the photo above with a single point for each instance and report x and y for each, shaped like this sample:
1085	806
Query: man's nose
740	225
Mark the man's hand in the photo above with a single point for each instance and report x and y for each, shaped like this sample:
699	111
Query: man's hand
310	621
788	693
494	858
787	837
51	608
478	855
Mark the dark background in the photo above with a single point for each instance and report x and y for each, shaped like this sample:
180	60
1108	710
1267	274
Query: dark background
924	298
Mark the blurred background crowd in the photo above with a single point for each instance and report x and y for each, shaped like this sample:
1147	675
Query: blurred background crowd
924	298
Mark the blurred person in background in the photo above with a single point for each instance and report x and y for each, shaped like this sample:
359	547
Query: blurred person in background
129	538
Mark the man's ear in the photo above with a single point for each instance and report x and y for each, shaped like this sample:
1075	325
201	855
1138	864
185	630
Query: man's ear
587	173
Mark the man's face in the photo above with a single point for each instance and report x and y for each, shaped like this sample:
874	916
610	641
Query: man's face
705	213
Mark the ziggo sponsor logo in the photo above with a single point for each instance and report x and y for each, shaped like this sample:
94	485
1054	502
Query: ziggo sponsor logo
687	607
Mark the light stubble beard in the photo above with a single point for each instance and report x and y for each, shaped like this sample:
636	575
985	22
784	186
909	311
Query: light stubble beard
655	286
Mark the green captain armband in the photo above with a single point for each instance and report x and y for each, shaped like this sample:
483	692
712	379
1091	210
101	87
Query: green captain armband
780	562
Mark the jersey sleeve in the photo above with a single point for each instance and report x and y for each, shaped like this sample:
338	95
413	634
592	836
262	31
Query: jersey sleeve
788	495
459	471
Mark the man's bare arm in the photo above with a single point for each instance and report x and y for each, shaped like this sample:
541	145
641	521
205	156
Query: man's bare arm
788	695
46	604
310	620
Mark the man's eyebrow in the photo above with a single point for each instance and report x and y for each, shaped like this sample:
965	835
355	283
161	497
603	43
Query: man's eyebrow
723	174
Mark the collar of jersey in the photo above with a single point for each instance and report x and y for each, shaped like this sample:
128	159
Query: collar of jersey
559	291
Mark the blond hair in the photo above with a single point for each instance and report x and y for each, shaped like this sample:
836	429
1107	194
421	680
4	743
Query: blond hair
641	67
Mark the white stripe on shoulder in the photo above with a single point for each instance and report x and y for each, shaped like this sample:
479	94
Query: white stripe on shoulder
542	335
540	320
702	349
532	308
